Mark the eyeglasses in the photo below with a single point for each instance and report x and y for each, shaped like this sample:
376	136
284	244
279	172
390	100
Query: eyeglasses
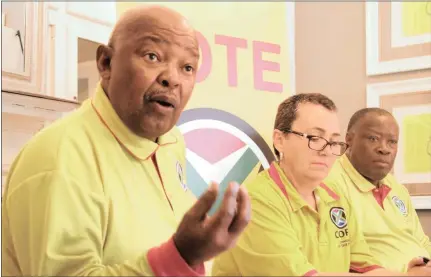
317	143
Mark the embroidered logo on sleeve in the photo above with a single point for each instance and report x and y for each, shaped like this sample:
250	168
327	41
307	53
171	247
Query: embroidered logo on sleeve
338	217
181	176
400	205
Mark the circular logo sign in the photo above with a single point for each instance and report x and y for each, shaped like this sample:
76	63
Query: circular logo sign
181	176
220	147
400	205
338	217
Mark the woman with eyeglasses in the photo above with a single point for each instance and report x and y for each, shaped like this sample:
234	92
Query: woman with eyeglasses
299	226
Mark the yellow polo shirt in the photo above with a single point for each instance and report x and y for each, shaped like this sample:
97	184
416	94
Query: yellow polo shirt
387	217
285	237
88	197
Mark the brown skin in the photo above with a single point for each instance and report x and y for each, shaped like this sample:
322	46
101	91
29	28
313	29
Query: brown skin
200	238
373	146
153	57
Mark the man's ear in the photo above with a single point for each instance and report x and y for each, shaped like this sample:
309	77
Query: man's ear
349	138
104	57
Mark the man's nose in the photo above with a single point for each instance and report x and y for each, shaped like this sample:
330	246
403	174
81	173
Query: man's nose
169	78
383	148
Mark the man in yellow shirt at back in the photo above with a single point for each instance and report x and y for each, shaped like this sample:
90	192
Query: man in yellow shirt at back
103	192
383	206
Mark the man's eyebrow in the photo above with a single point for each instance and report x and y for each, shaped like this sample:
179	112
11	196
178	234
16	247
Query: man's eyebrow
193	51
158	40
154	39
374	130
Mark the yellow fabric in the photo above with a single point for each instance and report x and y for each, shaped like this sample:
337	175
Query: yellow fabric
393	234
78	202
288	238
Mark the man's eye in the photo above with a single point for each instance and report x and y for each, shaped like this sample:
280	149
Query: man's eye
151	57
188	68
372	138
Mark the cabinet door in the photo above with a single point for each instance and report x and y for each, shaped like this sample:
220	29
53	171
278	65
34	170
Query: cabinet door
98	12
22	43
74	40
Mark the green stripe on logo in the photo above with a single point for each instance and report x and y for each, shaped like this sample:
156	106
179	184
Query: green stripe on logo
194	181
237	174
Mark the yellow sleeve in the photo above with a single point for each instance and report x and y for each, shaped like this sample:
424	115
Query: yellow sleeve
418	232
57	228
338	181
361	259
268	246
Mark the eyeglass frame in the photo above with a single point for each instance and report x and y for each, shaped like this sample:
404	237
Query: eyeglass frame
309	137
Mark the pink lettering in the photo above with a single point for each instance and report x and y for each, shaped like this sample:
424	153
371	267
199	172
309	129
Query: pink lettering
232	43
206	59
261	65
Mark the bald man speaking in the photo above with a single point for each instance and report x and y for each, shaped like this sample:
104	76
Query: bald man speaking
103	191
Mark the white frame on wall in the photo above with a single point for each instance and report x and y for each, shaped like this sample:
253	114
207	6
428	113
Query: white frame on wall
375	91
374	65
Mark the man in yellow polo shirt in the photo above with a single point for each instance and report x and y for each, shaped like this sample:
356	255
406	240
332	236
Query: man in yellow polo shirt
299	226
382	205
103	192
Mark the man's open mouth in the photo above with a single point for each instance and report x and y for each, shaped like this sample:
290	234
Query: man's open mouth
163	100
163	103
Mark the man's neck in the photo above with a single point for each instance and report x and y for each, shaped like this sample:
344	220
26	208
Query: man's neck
377	184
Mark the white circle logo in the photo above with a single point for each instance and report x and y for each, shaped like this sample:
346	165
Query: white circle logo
400	205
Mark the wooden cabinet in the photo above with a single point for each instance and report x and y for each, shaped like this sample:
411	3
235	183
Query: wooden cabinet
73	25
67	32
106	14
53	36
22	47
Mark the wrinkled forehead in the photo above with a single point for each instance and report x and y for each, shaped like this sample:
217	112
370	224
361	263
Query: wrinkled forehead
384	124
148	30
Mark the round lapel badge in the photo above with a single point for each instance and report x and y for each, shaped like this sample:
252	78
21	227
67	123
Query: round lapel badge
181	176
400	205
338	217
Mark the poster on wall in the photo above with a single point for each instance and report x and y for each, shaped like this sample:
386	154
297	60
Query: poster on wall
398	35
246	70
413	164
